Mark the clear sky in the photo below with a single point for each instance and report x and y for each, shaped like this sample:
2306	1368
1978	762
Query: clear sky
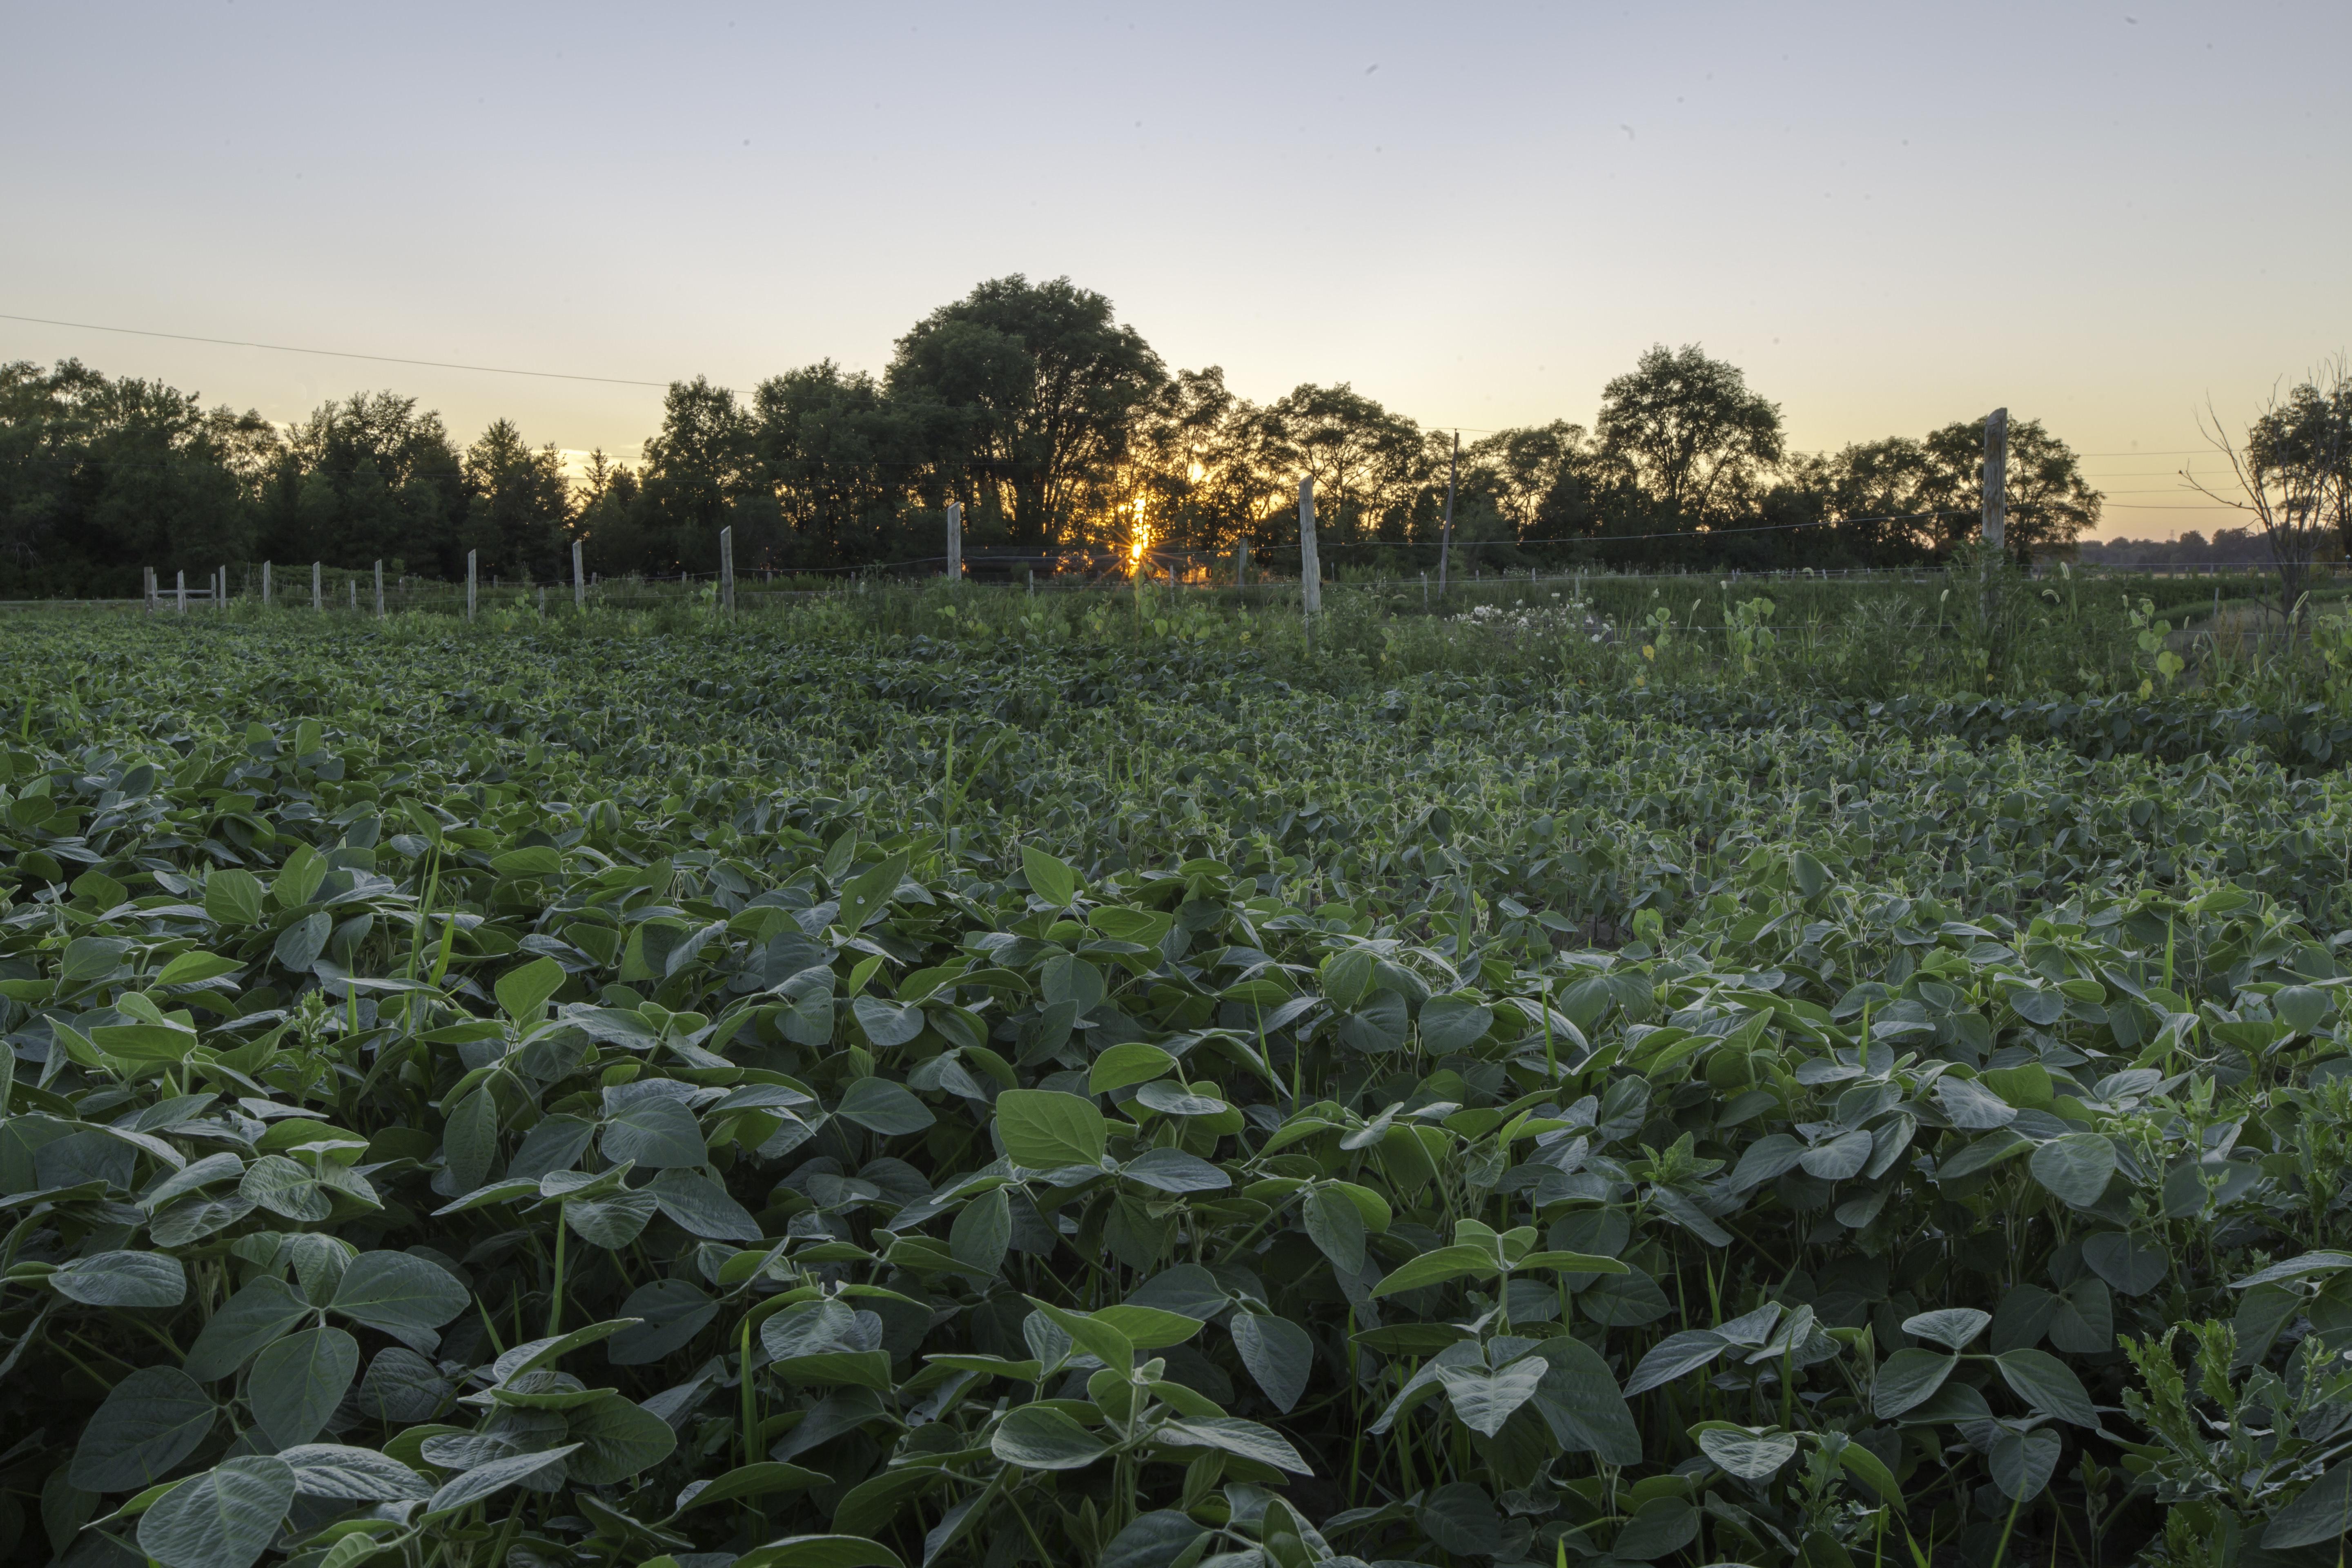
1891	215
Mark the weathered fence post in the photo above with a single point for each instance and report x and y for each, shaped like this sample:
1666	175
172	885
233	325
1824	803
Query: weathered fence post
318	586
579	588
1996	477
353	584
1446	538
1310	569
379	590
1241	563
727	570
471	578
264	584
220	588
147	586
955	541
180	580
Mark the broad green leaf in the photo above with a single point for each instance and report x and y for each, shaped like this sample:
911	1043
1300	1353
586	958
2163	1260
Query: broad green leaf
982	1233
1336	1226
1128	1063
232	898
123	1280
2077	1167
1673	1356
1044	1130
1438	1267
1039	1438
1907	1378
353	1475
1050	878
870	891
195	965
820	1552
1279	1354
150	1421
487	1480
881	1106
701	1207
297	1382
405	1297
223	1519
762	1479
523	992
2024	1462
1232	1434
2048	1384
2318	1516
1952	1327
249	1320
1484	1400
657	1131
616	1438
1750	1456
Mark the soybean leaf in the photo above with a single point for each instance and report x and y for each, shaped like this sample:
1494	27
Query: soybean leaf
123	1280
353	1475
523	992
223	1519
1279	1354
297	1383
150	1421
483	1480
1039	1438
2077	1167
249	1320
1907	1378
405	1297
1749	1456
1049	877
1044	1129
881	1106
2048	1384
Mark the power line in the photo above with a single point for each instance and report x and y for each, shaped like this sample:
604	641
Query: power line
336	353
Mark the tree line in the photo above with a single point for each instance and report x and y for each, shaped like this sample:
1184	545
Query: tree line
1055	428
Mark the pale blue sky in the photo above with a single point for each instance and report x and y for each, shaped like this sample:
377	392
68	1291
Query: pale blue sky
1889	216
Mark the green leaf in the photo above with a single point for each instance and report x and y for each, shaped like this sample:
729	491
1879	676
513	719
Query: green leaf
1044	1130
1336	1226
881	1106
523	992
1749	1456
2075	1167
1050	878
761	1480
869	893
1039	1438
612	1220
144	1042
2022	1462
1908	1378
820	1552
405	1297
1099	1340
195	965
674	1311
223	1519
353	1475
299	945
233	897
123	1280
2319	1514
1148	1328
285	1187
1454	1022
150	1421
657	1131
249	1320
297	1383
1436	1267
701	1207
1128	1063
1231	1435
1484	1400
1279	1354
617	1438
1673	1356
1951	1327
472	1486
2048	1384
982	1233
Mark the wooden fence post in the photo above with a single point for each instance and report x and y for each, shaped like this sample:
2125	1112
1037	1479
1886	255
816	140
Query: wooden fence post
379	590
955	541
318	586
727	570
1241	563
180	580
264	584
1445	539
579	588
1996	477
1310	569
471	578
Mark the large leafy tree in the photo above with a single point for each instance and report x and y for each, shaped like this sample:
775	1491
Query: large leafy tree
1688	437
368	478
2049	504
99	476
1026	395
698	471
837	454
519	502
1368	463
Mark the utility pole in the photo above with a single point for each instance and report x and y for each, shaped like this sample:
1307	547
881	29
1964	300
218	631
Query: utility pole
1445	541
